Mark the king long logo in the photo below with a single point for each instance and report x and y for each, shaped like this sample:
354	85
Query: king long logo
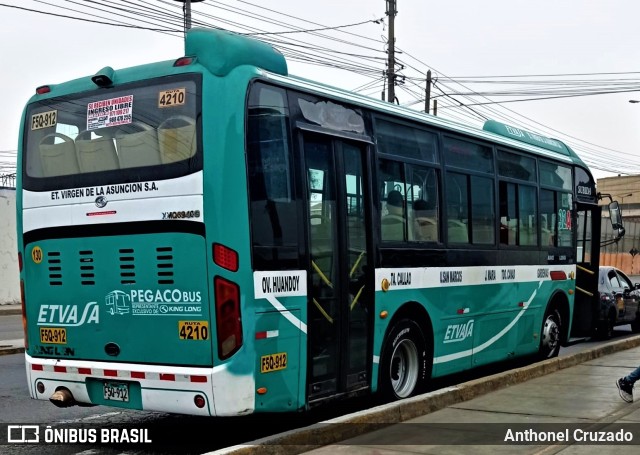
69	315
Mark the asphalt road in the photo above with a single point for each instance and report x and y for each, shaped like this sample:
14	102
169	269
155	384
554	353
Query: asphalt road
11	327
196	434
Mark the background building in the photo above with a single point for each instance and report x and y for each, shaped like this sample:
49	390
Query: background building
624	254
9	273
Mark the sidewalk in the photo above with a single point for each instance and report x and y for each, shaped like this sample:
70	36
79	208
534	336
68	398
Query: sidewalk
11	346
556	403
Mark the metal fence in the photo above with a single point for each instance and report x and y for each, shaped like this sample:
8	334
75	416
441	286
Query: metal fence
8	180
625	253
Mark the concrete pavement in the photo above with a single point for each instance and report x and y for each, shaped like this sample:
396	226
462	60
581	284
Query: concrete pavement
549	407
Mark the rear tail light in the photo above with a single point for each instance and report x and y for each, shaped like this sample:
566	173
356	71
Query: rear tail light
225	257
24	315
228	317
605	297
20	262
184	61
558	275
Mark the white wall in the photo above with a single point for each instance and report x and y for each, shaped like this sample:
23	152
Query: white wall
9	274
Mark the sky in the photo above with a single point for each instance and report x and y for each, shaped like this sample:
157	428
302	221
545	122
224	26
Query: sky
486	58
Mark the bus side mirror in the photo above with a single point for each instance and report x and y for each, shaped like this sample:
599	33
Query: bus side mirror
615	216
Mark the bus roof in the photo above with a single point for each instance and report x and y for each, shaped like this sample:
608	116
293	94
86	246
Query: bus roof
221	51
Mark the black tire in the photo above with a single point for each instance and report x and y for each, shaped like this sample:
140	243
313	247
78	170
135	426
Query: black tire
550	334
405	366
635	324
605	329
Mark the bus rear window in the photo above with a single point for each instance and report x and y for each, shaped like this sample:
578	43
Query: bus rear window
129	132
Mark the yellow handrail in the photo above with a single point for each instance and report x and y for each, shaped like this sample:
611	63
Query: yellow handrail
322	275
590	272
590	294
324	313
355	266
355	299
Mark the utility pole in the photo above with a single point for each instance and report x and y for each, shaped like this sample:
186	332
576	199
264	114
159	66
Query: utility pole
391	74
427	98
187	14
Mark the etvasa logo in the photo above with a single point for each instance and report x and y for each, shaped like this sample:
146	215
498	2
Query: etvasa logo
458	332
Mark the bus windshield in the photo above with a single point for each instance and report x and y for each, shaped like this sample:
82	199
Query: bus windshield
95	137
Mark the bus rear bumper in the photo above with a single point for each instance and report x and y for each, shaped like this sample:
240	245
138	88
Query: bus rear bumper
148	387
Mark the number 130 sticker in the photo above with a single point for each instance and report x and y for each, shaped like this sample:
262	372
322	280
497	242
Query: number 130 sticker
36	254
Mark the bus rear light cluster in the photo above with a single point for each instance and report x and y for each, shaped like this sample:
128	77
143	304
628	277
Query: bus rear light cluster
24	315
184	61
228	317
558	275
225	257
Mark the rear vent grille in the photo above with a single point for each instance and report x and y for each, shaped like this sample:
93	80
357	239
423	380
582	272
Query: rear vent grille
127	266
165	265
87	272
55	268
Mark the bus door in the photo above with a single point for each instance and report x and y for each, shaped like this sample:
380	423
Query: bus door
340	280
587	300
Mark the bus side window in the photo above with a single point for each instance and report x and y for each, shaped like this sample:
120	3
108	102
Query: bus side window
393	221
425	221
177	139
457	208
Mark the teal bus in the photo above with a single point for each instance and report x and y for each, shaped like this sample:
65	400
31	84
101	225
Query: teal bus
213	236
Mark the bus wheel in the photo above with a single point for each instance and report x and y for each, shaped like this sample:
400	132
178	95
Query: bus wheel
403	367
550	334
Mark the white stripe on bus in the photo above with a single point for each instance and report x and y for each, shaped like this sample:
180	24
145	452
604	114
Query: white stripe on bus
286	313
489	342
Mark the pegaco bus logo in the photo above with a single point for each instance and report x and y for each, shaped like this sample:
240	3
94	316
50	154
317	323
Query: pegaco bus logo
147	302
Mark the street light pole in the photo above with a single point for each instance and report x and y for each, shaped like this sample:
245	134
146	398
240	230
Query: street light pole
622	196
187	14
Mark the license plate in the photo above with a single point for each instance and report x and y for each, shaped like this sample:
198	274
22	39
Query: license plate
51	335
116	391
273	362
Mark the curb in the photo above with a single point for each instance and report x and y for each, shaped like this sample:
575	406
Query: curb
10	311
13	350
333	431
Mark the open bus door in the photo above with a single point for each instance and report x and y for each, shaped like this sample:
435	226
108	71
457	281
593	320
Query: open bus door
585	309
586	312
340	290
